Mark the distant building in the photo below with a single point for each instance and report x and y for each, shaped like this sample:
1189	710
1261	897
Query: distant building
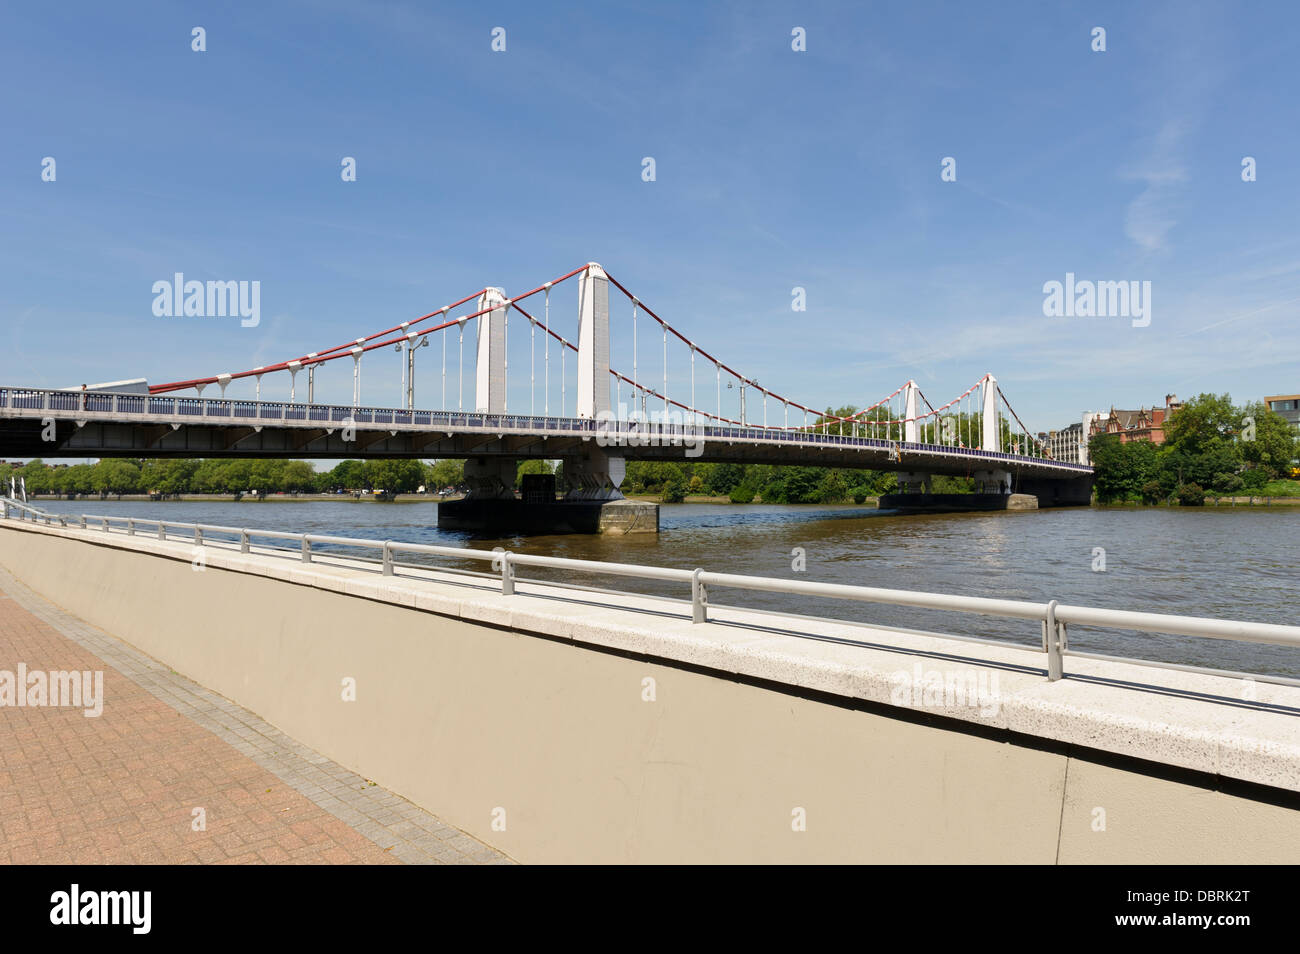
1070	444
1144	424
1287	405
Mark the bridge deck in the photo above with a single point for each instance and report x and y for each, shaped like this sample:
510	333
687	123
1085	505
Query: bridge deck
107	424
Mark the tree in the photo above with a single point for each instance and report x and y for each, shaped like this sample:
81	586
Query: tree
1272	445
297	476
833	487
721	478
1123	470
168	476
115	476
76	479
743	493
348	475
396	475
37	476
446	473
674	489
1201	439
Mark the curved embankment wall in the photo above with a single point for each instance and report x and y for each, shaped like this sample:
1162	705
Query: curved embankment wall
536	713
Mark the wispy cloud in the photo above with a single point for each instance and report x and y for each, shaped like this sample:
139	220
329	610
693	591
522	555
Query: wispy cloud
1151	215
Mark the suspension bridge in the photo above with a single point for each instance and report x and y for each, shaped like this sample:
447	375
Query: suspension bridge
671	399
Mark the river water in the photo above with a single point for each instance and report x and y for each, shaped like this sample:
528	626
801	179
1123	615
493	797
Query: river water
1234	563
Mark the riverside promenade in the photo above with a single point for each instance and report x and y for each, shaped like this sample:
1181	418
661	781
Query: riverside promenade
123	787
562	723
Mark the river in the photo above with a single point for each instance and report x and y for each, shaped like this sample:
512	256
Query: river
1235	563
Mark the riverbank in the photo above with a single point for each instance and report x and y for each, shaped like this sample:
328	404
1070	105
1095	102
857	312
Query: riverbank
1209	502
244	498
868	503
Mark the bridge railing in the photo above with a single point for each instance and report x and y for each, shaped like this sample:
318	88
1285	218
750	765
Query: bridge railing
1053	617
107	402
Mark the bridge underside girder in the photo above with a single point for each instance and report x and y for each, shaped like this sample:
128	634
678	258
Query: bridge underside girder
22	438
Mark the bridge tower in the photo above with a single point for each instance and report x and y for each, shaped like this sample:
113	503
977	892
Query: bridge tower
990	419
993	480
490	379
911	430
596	473
491	477
593	342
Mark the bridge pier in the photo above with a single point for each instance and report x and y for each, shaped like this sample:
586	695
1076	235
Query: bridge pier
995	489
1059	493
956	503
491	478
594	475
993	481
592	504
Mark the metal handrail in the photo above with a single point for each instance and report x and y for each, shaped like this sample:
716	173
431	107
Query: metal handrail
1053	616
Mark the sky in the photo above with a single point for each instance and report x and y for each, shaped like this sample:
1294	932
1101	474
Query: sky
774	169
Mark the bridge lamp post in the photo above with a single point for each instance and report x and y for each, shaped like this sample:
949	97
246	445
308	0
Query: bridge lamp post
408	369
743	384
294	368
311	379
357	352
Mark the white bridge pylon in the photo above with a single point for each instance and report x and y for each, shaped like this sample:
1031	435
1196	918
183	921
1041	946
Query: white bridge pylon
990	420
490	357
593	342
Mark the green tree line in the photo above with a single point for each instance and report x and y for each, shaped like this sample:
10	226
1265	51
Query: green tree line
229	476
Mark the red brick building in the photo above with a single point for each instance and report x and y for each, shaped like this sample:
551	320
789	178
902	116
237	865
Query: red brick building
1144	424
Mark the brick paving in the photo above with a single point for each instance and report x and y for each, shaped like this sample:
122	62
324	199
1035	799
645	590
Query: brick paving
121	788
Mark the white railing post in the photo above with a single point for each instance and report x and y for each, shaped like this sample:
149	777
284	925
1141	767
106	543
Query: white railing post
1054	640
306	549
507	574
699	598
388	558
243	541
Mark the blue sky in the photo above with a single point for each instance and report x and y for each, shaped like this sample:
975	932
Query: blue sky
774	169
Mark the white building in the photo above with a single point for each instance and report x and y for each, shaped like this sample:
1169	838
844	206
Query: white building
1070	444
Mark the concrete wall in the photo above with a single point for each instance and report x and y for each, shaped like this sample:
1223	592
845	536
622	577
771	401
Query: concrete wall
466	717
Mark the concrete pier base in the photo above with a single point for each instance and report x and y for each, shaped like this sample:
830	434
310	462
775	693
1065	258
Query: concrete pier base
495	517
956	503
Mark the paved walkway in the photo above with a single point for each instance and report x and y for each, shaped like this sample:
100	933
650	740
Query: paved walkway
122	787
